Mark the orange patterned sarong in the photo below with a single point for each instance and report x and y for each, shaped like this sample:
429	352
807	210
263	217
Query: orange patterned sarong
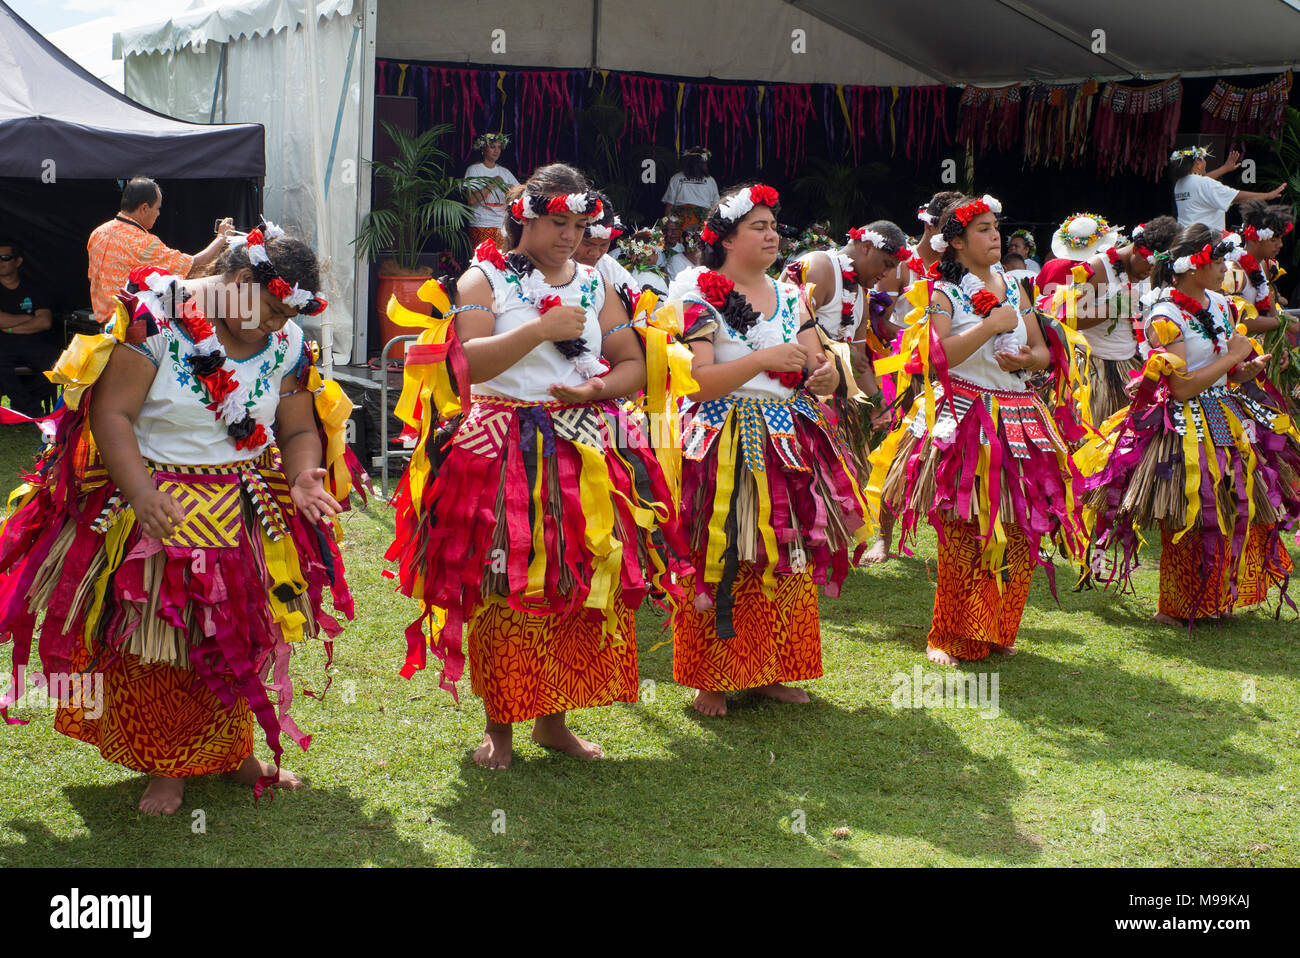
493	234
1182	581
159	719
524	665
776	640
971	612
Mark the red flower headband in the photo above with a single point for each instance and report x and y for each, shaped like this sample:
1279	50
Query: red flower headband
532	205
968	211
737	207
1184	264
307	303
863	235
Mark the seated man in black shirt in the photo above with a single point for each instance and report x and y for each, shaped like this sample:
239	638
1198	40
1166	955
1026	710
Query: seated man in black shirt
27	337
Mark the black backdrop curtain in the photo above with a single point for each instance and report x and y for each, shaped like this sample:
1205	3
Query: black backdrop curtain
52	222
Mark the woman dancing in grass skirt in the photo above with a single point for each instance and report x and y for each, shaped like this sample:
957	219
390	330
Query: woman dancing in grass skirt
176	534
979	455
768	494
537	516
1206	452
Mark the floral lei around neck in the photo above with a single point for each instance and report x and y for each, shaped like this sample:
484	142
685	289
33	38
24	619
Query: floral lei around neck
741	318
1255	274
1199	314
531	287
849	298
797	271
161	295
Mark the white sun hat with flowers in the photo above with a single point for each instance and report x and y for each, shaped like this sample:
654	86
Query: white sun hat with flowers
1082	236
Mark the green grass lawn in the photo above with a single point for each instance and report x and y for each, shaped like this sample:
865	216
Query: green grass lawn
1117	742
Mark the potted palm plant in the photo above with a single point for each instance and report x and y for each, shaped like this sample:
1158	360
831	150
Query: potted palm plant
422	200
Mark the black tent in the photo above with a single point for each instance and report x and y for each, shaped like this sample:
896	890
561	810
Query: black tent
67	141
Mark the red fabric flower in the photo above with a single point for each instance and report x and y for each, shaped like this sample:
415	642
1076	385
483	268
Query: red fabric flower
548	303
1289	228
764	195
968	211
254	440
983	302
255	238
850	276
557	204
1203	257
189	310
856	233
140	275
1113	255
1144	251
598	209
792	379
517	208
846	308
933	271
279	288
902	253
715	288
488	253
1264	305
916	265
708	236
1248	263
220	384
1249	233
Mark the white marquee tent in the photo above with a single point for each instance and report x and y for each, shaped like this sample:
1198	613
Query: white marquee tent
309	79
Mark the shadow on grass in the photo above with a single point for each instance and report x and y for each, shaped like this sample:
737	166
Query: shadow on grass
1255	640
310	827
1100	713
732	790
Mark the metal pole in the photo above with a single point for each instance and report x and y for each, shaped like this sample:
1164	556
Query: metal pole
383	409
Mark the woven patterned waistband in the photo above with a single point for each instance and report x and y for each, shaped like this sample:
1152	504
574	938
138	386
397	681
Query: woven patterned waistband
1025	397
265	461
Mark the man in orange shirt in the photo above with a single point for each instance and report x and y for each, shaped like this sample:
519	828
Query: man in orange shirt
124	242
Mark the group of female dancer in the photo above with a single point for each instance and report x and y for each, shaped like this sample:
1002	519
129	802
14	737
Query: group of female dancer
584	445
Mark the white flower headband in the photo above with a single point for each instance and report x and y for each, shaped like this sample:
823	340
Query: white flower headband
611	232
864	235
736	207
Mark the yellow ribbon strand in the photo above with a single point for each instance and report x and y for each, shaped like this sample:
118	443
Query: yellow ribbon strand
1192	468
285	570
724	481
537	567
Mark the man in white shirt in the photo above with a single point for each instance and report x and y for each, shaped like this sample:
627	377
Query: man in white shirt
1199	196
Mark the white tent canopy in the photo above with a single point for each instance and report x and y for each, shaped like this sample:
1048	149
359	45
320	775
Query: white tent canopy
251	60
268	62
